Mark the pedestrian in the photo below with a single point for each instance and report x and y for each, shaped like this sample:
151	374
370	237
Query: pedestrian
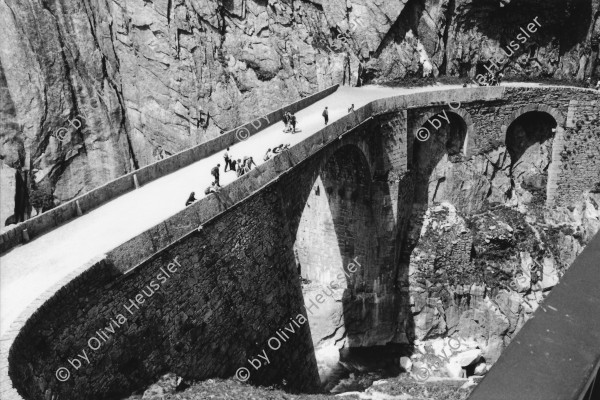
286	121
227	161
250	162
215	172
588	83
278	149
500	77
351	109
293	123
268	155
190	199
326	115
598	85
247	166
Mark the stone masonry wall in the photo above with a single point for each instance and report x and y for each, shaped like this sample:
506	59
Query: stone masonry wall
576	165
234	289
579	167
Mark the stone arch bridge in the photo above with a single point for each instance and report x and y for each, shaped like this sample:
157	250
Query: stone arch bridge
334	208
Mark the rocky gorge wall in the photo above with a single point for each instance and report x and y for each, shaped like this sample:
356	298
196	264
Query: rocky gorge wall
92	90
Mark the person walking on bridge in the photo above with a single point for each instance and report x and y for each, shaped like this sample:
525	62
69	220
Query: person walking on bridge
286	122
229	162
293	122
326	115
215	172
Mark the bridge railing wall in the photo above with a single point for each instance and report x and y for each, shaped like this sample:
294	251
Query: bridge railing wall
126	183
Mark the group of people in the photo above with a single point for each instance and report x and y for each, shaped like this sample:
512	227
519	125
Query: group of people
589	84
239	166
277	150
289	120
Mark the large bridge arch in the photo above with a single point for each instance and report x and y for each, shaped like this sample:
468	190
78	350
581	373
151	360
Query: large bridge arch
346	208
334	241
336	209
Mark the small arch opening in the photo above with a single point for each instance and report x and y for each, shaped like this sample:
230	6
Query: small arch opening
440	143
529	140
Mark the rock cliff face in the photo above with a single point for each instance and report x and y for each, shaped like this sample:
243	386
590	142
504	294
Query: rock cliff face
93	89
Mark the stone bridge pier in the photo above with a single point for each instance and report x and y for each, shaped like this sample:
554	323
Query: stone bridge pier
347	208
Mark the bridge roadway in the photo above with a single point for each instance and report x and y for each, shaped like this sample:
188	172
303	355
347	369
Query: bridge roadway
28	270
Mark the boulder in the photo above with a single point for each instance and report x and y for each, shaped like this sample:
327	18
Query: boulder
549	275
480	369
406	363
466	358
454	370
166	385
